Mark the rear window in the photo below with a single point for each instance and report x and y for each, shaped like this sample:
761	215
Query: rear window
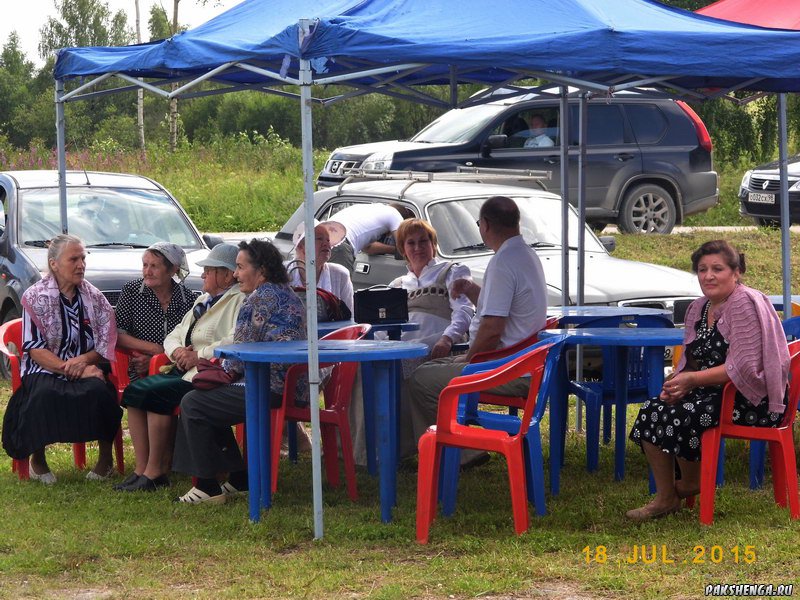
647	121
605	125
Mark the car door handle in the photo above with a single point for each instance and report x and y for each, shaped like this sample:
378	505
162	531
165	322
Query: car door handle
552	160
623	156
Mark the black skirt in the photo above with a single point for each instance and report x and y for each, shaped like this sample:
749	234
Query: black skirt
47	409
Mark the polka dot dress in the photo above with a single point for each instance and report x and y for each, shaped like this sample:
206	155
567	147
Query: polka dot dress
677	428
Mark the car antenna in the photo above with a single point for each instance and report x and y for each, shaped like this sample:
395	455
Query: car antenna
85	174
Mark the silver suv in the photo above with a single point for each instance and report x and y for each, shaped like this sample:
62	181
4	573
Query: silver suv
116	216
648	157
452	208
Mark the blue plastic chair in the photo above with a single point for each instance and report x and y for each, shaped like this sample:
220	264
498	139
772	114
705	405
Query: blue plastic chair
469	413
599	395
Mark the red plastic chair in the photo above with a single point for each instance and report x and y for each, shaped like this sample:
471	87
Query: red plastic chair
781	447
335	414
11	334
448	432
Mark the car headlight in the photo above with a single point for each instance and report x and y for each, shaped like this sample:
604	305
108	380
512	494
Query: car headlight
745	185
380	161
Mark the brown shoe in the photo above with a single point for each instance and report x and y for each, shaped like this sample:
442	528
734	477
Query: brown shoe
649	512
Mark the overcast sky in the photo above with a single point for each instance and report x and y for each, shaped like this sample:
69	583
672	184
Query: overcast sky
28	21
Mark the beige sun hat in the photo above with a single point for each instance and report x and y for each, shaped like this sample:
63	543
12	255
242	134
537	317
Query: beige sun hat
336	231
300	233
221	255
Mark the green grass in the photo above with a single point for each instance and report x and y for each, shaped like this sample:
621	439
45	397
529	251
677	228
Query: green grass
238	184
81	539
762	249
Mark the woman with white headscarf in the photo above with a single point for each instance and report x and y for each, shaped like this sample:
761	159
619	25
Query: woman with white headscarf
150	307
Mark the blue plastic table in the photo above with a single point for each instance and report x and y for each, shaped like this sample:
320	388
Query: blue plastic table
579	315
384	358
777	302
394	331
653	339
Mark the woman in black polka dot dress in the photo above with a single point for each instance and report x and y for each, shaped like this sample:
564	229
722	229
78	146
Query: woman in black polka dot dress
729	332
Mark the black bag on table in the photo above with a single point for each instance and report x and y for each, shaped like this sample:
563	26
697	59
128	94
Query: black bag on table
381	304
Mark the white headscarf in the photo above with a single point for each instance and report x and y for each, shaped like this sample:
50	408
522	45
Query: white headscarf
175	255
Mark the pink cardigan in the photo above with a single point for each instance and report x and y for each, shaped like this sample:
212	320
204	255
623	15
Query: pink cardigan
751	326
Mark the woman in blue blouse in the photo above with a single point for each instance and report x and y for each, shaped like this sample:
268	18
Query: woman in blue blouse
205	447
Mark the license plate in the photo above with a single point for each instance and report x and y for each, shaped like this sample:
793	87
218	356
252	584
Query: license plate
759	198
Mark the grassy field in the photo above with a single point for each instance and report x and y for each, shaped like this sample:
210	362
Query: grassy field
83	540
238	184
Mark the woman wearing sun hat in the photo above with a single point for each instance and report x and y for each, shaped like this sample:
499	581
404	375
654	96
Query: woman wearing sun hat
331	277
152	400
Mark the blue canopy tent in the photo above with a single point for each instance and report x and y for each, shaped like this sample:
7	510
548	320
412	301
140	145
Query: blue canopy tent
394	46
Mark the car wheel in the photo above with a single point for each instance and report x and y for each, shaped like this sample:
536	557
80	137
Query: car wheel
647	208
765	222
5	368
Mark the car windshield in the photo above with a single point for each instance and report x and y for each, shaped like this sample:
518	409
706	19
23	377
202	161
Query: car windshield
105	217
458	125
540	225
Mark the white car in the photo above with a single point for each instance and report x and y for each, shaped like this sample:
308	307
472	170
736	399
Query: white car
452	209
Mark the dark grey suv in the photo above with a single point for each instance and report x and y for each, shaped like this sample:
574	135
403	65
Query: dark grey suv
649	158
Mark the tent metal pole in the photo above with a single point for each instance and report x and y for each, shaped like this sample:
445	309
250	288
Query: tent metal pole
785	216
564	107
311	284
61	154
582	126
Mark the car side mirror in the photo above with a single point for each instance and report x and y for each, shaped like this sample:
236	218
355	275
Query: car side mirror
212	239
609	242
493	142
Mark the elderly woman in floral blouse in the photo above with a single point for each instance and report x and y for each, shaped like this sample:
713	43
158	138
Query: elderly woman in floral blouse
205	446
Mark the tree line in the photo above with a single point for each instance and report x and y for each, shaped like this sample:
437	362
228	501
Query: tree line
126	122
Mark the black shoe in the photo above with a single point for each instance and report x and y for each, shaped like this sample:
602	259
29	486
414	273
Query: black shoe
127	482
145	484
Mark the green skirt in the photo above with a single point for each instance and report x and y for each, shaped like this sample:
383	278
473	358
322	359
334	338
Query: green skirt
160	394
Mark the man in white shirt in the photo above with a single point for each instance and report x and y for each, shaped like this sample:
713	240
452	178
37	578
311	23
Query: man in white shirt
537	138
511	306
358	228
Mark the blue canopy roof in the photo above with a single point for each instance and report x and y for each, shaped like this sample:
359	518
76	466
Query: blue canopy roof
462	40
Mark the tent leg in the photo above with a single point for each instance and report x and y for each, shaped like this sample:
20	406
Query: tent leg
785	215
61	153
311	284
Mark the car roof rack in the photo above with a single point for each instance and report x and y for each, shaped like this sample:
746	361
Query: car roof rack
474	174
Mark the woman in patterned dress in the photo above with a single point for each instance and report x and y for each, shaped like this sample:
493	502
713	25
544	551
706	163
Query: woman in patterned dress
732	334
205	447
68	330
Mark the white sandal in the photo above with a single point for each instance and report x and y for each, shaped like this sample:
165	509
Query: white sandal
229	490
95	476
196	496
45	478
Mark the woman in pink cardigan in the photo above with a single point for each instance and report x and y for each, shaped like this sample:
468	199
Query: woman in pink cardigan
732	334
